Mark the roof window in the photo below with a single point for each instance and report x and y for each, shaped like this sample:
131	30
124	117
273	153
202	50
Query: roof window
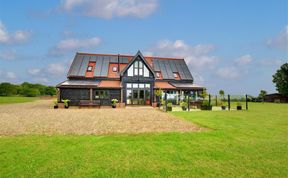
114	69
158	74
175	75
89	68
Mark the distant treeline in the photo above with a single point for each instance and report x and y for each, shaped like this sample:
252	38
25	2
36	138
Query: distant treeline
26	89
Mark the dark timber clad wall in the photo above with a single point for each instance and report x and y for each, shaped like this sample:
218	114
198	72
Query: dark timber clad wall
75	95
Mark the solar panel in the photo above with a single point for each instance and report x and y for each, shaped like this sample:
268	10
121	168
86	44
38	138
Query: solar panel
98	66
163	69
84	65
172	65
168	70
104	68
124	60
76	65
186	70
113	59
93	58
156	65
180	70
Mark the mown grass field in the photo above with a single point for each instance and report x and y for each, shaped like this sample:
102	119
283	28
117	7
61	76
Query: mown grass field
16	99
250	143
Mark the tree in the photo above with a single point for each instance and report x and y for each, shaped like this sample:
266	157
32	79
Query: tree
204	94
50	91
280	78
262	95
7	89
222	94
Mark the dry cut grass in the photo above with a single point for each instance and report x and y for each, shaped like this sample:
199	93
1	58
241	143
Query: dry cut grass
40	118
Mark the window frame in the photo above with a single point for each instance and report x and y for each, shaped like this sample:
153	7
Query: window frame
89	68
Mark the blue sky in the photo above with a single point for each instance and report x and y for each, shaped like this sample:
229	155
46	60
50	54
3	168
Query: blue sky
232	45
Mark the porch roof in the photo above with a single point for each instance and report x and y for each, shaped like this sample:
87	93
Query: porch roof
78	84
164	85
188	86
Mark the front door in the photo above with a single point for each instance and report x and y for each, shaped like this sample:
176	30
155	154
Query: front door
138	94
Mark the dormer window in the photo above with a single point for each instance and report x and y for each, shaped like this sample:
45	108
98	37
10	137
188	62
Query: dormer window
175	75
158	74
115	69
89	68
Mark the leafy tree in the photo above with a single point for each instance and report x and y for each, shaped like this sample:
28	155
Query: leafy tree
222	94
204	94
261	95
7	89
30	92
50	91
280	78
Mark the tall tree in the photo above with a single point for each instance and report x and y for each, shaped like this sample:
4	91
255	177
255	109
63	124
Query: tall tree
280	78
262	95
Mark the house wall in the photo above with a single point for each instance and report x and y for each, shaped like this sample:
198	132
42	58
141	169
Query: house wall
77	94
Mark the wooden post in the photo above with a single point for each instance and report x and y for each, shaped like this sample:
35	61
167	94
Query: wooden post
209	100
216	101
165	100
189	102
246	102
91	94
229	102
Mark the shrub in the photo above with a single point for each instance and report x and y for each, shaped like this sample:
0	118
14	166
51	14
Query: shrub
184	105
205	106
169	106
66	102
114	102
7	89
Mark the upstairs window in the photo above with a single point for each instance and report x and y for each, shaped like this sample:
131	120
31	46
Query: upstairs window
89	68
158	74
138	69
115	69
175	75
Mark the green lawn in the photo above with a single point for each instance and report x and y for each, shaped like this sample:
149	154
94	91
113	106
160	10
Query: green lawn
16	99
250	143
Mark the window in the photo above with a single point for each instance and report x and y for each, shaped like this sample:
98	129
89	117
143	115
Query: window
129	85
135	85
115	69
89	69
130	71
101	94
158	74
141	85
147	85
175	75
146	72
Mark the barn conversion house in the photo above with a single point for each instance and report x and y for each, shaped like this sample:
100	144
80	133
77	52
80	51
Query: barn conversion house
131	80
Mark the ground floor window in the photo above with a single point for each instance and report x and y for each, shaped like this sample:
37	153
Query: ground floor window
138	93
101	94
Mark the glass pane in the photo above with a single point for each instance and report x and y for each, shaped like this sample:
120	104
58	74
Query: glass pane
130	71
147	85
140	64
135	97
135	85
147	94
136	71
129	85
141	85
129	96
146	72
140	71
136	64
141	97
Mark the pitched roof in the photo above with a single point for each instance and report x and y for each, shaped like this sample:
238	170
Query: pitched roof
167	66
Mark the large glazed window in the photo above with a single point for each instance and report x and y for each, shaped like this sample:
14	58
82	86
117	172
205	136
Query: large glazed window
138	69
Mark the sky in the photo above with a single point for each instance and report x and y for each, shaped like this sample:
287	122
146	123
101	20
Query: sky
232	45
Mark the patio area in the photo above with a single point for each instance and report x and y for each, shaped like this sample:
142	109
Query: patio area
39	117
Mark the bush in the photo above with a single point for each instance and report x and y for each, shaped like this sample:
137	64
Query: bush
184	105
30	92
169	106
205	106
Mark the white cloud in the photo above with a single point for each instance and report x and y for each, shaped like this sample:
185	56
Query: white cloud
228	73
280	41
34	71
243	60
11	75
111	8
13	38
8	54
57	69
197	57
72	45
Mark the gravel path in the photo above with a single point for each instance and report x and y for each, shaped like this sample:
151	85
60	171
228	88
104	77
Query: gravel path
39	118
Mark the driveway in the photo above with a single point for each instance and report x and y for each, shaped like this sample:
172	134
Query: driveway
40	118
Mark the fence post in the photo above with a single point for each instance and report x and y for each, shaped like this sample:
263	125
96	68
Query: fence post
246	102
209	100
229	102
166	101
216	101
189	102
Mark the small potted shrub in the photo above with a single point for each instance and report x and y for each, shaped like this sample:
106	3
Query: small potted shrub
205	106
114	102
184	105
55	104
169	107
239	106
66	103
